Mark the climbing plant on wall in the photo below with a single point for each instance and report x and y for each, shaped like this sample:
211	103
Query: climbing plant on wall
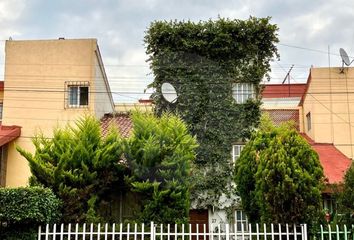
202	61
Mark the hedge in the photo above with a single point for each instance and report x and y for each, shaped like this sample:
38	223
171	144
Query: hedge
23	209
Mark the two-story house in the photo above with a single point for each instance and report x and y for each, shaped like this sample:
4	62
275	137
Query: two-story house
321	109
47	84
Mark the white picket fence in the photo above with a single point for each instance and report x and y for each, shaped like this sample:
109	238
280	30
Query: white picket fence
172	232
336	233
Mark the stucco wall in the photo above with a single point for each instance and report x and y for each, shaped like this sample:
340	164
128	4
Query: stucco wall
330	99
103	100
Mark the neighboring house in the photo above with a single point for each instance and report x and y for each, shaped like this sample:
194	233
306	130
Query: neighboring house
328	107
307	107
143	105
48	83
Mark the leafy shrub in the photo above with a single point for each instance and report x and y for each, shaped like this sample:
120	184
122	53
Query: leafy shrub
23	209
79	165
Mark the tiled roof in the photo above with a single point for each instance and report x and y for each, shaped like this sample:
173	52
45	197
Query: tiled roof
9	133
334	162
121	121
283	90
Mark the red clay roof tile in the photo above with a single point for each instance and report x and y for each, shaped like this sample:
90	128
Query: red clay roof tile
121	121
334	162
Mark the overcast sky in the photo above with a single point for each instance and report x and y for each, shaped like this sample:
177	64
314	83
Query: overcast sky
306	30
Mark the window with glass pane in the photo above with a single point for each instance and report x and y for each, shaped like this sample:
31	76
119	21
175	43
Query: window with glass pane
1	110
240	219
242	91
78	96
236	152
308	119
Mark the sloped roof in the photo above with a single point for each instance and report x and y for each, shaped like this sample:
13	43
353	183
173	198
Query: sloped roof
121	121
284	90
9	133
333	161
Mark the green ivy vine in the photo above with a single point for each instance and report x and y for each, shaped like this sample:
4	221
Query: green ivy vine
202	61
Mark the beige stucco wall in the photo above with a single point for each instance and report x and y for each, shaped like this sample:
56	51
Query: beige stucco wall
330	99
103	97
35	75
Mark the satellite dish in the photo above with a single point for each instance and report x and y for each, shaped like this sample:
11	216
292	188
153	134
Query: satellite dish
169	92
344	56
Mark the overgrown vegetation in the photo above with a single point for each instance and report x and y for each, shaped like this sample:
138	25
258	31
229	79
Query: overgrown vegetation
346	201
279	176
160	153
84	168
79	165
23	209
202	61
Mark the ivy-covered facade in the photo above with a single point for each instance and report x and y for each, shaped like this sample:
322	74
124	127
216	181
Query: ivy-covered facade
216	68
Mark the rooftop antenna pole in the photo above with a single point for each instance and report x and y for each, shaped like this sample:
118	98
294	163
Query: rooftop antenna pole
287	76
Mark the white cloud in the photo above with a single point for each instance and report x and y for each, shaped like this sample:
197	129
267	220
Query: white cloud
11	9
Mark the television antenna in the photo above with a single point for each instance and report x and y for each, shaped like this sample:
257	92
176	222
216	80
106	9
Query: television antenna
345	59
169	92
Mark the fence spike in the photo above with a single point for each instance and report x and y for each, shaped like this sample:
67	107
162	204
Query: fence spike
91	231
106	231
219	236
227	232
76	231
128	231
84	231
39	232
161	231
265	231
250	230
99	231
345	232
142	231
62	231
54	231
121	231
204	232
46	231
287	232
135	231
69	230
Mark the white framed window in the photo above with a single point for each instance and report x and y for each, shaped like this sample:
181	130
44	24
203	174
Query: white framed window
242	91
236	151
77	94
241	219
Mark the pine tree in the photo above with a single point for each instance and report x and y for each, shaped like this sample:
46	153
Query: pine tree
79	165
279	176
160	154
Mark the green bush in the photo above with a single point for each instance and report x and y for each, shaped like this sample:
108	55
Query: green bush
23	209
